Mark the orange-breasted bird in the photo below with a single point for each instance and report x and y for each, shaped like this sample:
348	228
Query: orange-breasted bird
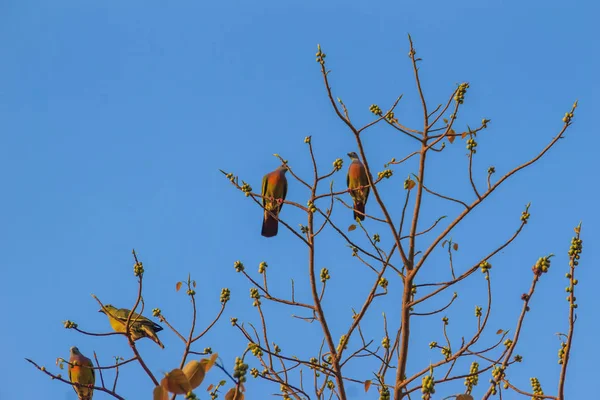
358	182
274	190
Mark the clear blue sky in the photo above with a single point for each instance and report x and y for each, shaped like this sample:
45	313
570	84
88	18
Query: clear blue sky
116	116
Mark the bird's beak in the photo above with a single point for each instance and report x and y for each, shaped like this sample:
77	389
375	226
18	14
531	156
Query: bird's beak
349	154
101	310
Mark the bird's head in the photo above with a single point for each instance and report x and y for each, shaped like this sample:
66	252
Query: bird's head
107	307
283	168
75	350
353	156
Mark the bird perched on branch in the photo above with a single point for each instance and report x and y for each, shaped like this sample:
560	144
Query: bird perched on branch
139	326
358	182
274	190
81	371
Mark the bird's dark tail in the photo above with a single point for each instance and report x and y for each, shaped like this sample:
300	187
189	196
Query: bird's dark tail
158	342
270	225
360	207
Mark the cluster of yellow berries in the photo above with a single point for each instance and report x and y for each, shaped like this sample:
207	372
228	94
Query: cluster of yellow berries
254	294
254	372
525	216
376	238
536	386
542	265
138	269
508	342
325	275
375	109
70	324
575	249
387	173
473	378
239	266
303	229
255	349
446	352
484	122
191	396
208	350
230	176
561	352
383	282
491	170
427	386
337	164
471	145
460	93
485	266
445	320
311	207
191	292
568	117
262	267
320	56
478	311
390	117
497	376
432	345
233	321
384	393
240	369
385	342
225	295
307	140
156	312
342	344
246	188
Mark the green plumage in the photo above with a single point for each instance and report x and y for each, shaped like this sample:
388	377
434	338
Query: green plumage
81	372
140	326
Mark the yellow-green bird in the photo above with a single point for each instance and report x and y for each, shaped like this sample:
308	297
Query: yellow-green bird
274	190
81	371
139	326
356	181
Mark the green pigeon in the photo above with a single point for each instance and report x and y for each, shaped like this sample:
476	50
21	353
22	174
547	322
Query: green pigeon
274	190
81	371
140	326
356	181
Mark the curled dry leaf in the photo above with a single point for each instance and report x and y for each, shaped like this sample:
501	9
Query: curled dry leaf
178	286
351	228
194	372
234	394
176	382
451	136
455	246
160	393
464	397
367	385
208	363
